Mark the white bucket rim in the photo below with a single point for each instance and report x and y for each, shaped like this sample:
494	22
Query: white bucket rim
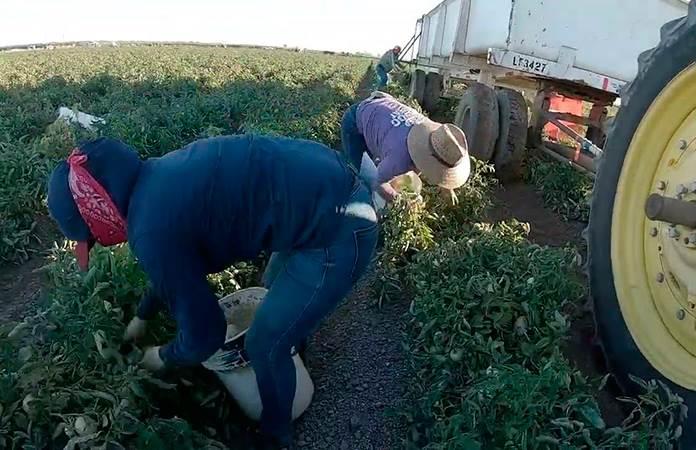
231	297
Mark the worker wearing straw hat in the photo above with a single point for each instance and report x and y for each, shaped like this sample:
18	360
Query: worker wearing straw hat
400	139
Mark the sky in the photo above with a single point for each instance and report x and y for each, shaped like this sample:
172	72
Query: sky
370	26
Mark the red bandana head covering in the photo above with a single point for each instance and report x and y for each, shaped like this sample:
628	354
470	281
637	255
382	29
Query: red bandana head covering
95	205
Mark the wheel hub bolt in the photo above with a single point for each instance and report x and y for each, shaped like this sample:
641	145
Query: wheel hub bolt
653	232
674	233
681	314
660	277
683	144
661	185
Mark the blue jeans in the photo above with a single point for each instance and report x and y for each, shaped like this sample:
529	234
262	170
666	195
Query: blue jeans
382	75
305	286
352	141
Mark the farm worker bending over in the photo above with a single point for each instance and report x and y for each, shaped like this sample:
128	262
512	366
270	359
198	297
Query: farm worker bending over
197	210
400	139
386	64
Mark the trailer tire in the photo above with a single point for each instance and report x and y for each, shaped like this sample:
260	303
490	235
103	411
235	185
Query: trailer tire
432	91
417	86
478	116
511	146
626	334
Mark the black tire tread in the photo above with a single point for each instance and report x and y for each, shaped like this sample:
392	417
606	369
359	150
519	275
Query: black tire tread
417	86
512	139
676	50
483	127
432	91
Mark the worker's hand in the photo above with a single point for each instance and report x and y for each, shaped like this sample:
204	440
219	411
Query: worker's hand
387	192
152	360
136	330
449	196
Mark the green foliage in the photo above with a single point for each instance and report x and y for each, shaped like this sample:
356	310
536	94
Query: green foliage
510	406
70	382
405	233
487	321
20	198
65	380
157	99
486	327
234	278
475	198
564	189
496	283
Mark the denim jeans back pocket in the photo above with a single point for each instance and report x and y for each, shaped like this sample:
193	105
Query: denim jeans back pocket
365	243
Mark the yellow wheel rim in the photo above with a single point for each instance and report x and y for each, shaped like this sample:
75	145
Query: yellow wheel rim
654	263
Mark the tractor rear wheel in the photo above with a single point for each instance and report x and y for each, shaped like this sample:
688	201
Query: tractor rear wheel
643	272
478	116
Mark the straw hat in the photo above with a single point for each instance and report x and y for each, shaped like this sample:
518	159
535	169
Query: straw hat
440	153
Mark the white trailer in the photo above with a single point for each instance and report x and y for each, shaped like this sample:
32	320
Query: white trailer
501	49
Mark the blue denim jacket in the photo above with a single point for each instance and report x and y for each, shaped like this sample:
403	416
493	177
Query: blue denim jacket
197	210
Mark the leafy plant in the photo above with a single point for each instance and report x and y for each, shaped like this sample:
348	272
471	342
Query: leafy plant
405	233
487	319
157	99
486	326
564	189
67	382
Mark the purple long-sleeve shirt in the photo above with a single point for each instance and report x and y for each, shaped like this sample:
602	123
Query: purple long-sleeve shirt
385	124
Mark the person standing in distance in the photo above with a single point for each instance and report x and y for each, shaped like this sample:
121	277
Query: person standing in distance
386	64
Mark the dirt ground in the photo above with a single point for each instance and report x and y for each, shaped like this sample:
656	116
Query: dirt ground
522	202
20	288
20	284
360	373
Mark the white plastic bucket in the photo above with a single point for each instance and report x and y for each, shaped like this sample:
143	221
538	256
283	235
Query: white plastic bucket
235	372
408	182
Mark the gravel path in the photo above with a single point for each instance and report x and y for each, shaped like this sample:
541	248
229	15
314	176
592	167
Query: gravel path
20	287
360	374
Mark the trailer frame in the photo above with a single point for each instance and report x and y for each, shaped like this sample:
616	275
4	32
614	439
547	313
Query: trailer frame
538	79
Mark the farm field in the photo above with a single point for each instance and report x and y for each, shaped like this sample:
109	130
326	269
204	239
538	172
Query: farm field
475	307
